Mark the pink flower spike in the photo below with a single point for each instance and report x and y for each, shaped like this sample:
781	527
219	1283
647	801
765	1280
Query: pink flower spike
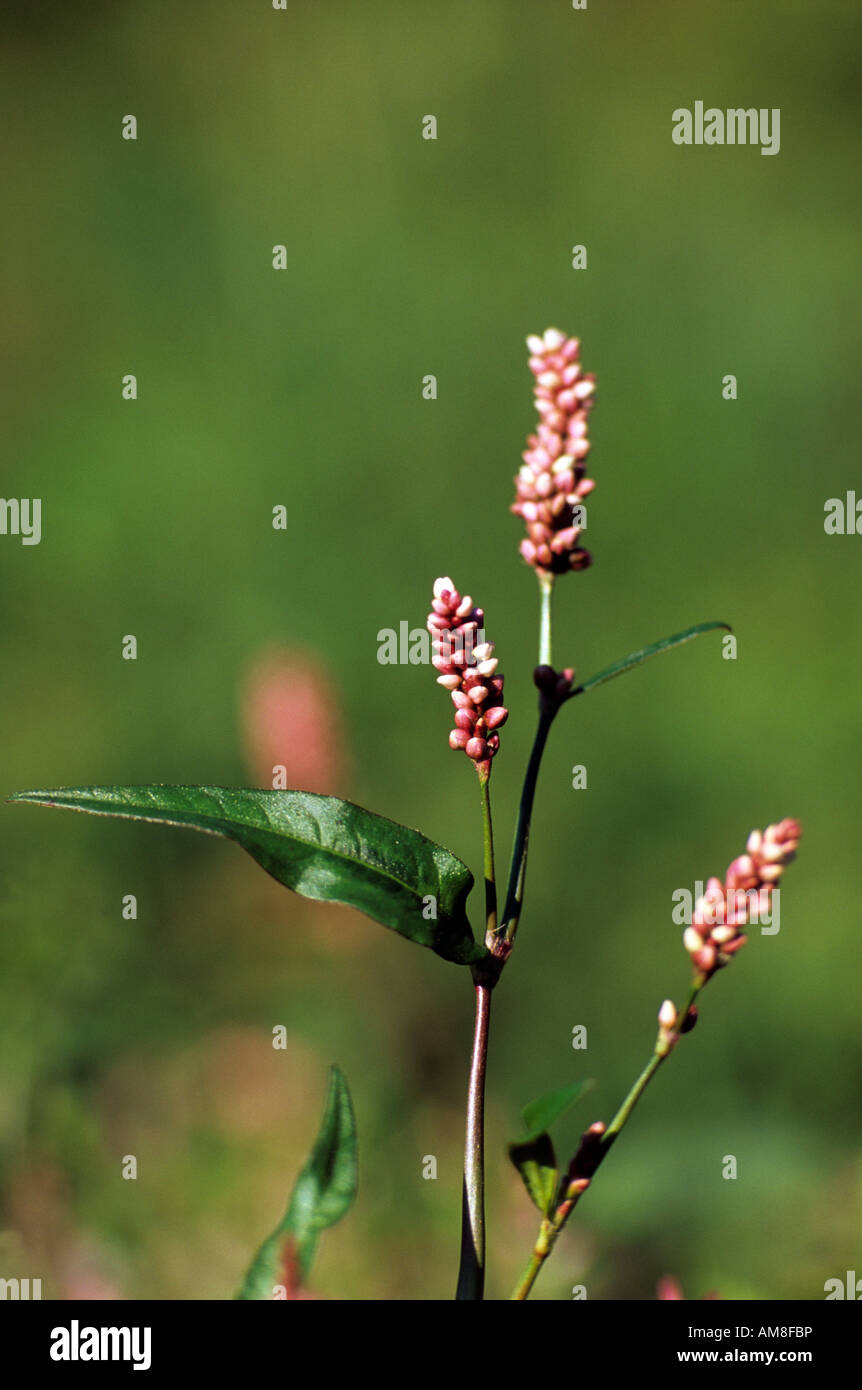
552	481
716	934
467	667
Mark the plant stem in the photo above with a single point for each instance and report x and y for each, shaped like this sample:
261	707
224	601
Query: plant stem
546	586
471	1275
632	1099
528	1278
552	1226
518	872
488	857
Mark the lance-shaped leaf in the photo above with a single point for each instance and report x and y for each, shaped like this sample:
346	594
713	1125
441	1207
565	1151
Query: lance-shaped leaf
320	846
536	1162
628	663
324	1191
533	1155
540	1114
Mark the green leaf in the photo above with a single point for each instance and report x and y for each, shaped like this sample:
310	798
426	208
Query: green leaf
540	1114
536	1162
627	663
324	1191
533	1155
320	846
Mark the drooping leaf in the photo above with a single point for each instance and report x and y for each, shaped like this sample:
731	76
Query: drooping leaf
320	846
533	1154
628	663
536	1162
324	1192
540	1114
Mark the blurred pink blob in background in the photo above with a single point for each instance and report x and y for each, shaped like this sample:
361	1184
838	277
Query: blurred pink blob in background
291	718
668	1287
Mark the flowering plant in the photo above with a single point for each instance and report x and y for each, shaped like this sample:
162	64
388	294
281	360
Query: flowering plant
330	850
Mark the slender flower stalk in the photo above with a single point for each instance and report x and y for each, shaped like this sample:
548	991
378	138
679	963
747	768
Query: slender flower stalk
546	589
554	688
488	861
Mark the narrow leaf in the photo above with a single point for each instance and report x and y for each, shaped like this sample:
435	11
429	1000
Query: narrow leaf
540	1114
536	1162
628	663
320	846
324	1191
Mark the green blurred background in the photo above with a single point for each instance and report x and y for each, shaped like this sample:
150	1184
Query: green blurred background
302	387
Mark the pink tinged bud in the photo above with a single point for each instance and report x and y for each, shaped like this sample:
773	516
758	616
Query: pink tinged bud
743	866
771	873
461	700
478	694
554	339
459	738
487	668
476	749
721	935
598	1128
483	651
773	852
692	940
464	719
535	344
755	840
496	717
705	958
667	1014
449	682
443	586
564	540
